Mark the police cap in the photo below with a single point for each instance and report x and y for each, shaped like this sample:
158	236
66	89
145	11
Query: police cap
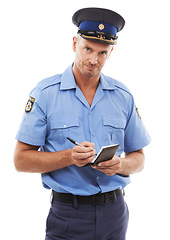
98	24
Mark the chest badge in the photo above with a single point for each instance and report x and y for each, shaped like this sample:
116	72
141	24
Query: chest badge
30	104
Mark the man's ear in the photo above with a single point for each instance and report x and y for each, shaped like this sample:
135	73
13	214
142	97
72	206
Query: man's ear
74	43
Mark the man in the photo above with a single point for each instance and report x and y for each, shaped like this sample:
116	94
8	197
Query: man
95	111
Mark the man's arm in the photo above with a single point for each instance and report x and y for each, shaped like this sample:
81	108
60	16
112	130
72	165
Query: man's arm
132	163
27	158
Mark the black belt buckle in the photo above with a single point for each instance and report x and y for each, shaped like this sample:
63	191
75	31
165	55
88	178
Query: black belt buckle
101	199
97	200
95	204
107	197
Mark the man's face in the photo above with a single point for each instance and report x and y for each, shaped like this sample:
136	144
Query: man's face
90	56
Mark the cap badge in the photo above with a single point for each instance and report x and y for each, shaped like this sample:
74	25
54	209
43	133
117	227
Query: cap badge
101	27
101	37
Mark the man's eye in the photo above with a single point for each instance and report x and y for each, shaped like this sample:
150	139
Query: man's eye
103	53
87	49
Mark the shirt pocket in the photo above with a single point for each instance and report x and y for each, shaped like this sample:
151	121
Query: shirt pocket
113	131
61	128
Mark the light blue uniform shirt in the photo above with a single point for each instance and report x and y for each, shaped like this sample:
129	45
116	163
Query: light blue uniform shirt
60	110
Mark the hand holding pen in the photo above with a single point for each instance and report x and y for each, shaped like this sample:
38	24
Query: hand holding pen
83	153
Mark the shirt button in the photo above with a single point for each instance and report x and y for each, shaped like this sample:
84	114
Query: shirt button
65	126
98	177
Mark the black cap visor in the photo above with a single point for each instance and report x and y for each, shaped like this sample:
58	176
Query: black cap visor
98	36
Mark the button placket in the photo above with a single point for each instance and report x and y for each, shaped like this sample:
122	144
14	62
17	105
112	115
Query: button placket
91	124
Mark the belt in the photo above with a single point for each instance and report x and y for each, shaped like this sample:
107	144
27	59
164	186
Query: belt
95	200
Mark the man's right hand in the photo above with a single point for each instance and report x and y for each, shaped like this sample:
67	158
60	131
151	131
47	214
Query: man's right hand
83	155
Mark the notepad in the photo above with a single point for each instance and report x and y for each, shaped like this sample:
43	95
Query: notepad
106	153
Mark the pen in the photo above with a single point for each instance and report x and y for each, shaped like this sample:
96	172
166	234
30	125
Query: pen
78	144
74	142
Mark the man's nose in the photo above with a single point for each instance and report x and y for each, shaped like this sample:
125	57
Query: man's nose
93	59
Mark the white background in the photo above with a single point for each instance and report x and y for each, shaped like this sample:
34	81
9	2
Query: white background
36	42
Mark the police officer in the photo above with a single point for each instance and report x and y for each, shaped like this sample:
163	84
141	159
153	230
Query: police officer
94	110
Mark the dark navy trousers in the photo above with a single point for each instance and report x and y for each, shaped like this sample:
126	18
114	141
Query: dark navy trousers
86	222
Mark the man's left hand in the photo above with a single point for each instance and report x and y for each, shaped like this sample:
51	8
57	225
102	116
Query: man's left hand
110	167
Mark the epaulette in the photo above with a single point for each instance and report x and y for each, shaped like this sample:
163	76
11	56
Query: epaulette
116	84
42	85
122	86
47	82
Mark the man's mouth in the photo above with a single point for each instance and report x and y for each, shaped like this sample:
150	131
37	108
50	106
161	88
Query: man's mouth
91	68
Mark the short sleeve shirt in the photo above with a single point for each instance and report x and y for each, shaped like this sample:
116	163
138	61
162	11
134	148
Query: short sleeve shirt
57	109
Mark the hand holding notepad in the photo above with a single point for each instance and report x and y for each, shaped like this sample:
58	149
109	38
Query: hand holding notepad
106	153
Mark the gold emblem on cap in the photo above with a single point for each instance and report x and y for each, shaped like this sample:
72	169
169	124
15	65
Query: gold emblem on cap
101	37
101	26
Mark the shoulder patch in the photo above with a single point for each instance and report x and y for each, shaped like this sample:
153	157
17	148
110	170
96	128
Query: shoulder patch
137	111
30	104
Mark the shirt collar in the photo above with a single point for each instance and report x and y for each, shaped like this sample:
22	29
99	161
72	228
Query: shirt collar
107	83
68	81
